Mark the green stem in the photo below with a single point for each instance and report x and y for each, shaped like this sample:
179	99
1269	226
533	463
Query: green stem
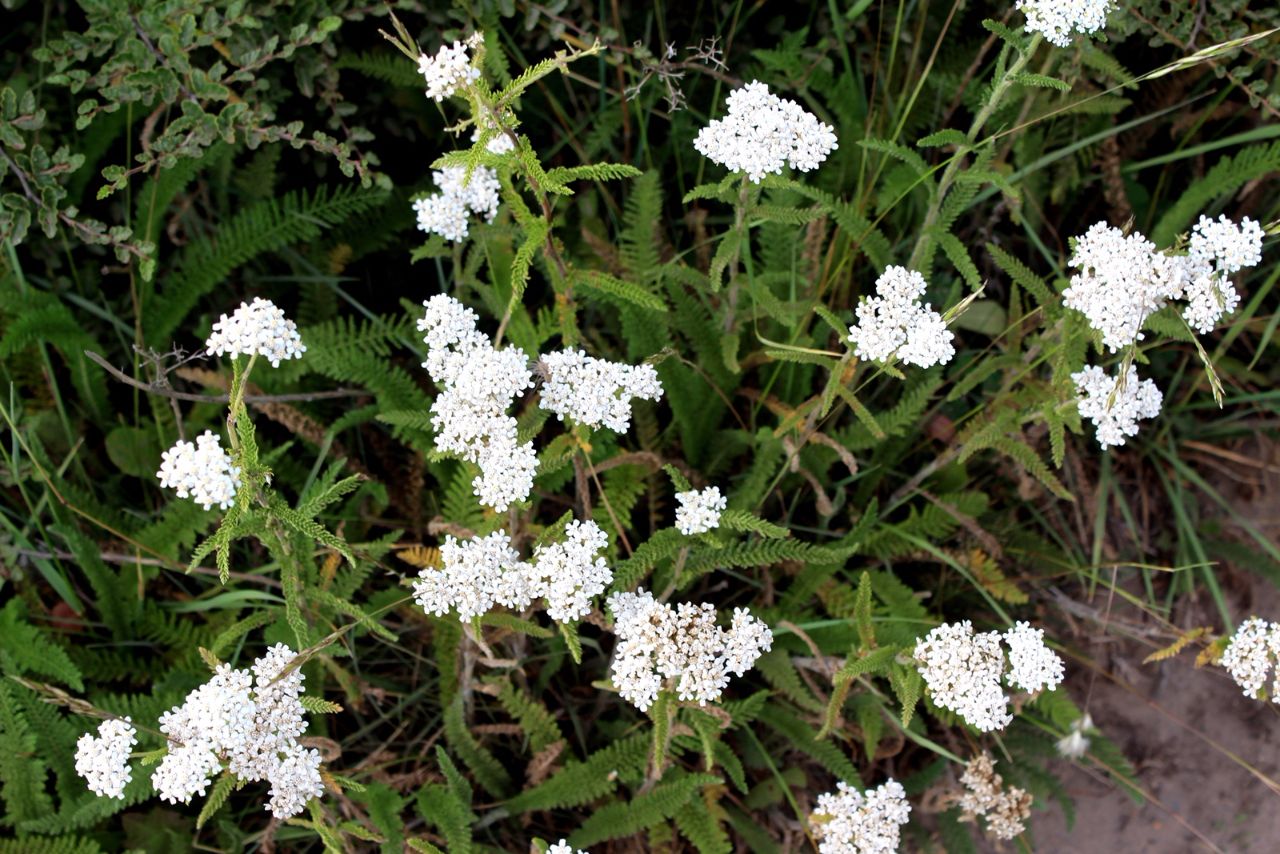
924	245
239	380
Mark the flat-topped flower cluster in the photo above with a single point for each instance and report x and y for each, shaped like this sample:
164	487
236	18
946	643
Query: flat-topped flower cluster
480	382
699	510
1115	406
484	571
964	669
258	328
1251	657
202	471
851	822
895	323
450	68
1123	279
657	642
1057	20
246	721
761	133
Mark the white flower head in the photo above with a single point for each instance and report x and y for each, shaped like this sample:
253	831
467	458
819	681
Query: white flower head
1032	665
450	69
657	643
761	133
461	194
1057	20
1114	410
475	575
570	574
258	328
595	392
563	847
699	510
963	671
478	385
1229	247
1252	655
201	471
251	721
103	760
894	322
851	822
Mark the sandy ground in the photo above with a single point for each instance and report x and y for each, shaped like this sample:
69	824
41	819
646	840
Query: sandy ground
1205	753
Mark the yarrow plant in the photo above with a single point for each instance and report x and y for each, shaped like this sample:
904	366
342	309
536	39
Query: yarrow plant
202	471
895	323
450	68
462	192
963	669
484	571
1115	404
1251	657
257	329
848	821
699	510
657	643
594	392
761	133
103	760
1058	20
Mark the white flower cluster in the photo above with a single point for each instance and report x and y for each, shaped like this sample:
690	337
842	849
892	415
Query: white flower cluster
251	721
1251	656
1115	418
103	761
1123	279
851	822
699	510
595	392
1006	810
258	328
894	322
761	133
1217	249
657	642
447	212
484	571
563	847
500	143
963	669
202	471
470	416
1056	19
570	573
450	69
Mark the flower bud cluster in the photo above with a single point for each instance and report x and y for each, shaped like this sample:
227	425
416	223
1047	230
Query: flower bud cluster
851	822
1252	655
258	328
485	571
450	69
894	322
1057	19
657	642
1113	407
595	392
103	760
699	510
1123	279
963	670
1005	810
252	722
470	415
202	471
761	133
